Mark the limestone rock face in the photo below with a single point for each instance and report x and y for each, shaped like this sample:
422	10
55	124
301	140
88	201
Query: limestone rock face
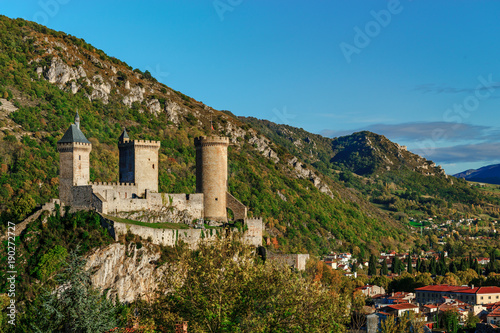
101	89
153	106
127	272
262	145
60	73
136	95
302	172
172	109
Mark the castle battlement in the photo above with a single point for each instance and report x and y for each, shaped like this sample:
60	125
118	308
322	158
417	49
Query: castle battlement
111	184
139	143
74	144
211	140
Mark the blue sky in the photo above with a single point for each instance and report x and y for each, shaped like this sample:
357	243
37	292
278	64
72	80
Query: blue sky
424	73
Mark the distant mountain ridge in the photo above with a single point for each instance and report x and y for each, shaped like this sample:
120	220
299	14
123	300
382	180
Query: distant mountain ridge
488	174
389	175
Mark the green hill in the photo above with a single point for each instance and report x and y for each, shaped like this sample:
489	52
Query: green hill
45	76
384	172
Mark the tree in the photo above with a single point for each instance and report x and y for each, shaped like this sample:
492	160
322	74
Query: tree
467	276
75	306
450	320
453	267
471	320
408	322
224	288
396	265
409	266
380	280
372	265
384	270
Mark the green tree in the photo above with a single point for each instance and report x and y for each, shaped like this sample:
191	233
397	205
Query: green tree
226	288
408	322
372	265
74	307
409	266
450	320
384	270
471	321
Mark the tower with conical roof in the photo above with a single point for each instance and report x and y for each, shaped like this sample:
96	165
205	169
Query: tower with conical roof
138	163
74	161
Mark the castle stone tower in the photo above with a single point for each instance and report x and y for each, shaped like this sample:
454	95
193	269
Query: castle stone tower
139	163
74	155
211	175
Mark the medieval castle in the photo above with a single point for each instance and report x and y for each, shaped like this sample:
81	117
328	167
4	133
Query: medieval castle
137	189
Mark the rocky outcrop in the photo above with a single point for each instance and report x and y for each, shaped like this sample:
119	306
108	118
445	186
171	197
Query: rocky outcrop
172	109
101	89
126	271
136	95
60	73
304	173
262	145
153	106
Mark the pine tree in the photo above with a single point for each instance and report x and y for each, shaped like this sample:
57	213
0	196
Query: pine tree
409	266
432	267
385	269
372	265
396	265
453	267
419	265
78	307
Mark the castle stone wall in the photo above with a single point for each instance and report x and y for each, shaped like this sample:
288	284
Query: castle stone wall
239	209
82	197
211	175
139	164
171	237
166	237
253	234
192	203
74	168
297	261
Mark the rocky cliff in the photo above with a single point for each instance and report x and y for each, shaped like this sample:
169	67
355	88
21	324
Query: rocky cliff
128	271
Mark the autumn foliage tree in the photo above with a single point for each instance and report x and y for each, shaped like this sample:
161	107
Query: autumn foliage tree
225	287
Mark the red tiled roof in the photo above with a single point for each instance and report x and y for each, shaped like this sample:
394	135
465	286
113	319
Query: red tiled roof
404	306
488	290
441	287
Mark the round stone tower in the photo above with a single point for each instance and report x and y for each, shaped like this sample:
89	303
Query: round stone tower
211	175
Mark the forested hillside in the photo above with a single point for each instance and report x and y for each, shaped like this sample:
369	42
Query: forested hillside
387	174
45	76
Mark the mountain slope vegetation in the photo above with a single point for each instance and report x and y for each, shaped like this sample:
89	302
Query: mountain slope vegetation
45	76
386	173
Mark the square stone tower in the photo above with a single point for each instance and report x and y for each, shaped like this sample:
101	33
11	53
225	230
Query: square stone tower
211	175
139	163
74	161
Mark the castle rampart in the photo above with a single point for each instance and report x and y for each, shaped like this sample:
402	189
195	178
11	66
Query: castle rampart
297	261
171	237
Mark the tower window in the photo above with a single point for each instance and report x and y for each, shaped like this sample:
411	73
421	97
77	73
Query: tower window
79	157
216	199
153	166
